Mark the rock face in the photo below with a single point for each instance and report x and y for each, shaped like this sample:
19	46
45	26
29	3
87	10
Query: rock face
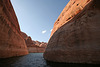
11	41
28	40
76	34
34	46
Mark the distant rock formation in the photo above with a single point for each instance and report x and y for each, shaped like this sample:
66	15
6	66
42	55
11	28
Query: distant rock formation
75	37
28	40
34	46
11	41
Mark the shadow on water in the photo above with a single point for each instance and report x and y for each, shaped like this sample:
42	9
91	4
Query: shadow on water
8	61
37	60
56	64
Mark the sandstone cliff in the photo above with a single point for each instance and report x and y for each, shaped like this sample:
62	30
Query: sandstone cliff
28	40
76	34
34	46
11	41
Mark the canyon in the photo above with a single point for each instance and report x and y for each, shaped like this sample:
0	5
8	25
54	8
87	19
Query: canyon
34	46
75	37
11	41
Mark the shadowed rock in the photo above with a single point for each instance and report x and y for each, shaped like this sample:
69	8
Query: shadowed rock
75	37
11	41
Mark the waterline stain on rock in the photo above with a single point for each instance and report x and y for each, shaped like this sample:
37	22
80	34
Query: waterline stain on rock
76	38
11	41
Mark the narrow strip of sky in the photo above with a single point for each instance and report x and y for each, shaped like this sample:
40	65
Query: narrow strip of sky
36	17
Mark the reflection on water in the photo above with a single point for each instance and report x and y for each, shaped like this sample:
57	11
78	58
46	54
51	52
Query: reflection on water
35	60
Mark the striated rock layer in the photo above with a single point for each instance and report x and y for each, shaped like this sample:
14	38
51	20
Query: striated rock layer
76	34
11	41
34	46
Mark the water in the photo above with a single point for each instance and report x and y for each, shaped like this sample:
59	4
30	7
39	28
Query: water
35	60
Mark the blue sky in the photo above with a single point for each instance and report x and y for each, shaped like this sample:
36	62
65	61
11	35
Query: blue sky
36	17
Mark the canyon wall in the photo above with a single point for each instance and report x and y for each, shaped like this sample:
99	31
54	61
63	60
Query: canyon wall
75	37
11	41
34	46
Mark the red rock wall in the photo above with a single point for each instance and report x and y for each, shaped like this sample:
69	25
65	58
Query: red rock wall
76	34
11	41
69	12
34	46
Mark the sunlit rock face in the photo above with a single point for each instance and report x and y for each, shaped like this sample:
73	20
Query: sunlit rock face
28	40
34	46
76	34
11	41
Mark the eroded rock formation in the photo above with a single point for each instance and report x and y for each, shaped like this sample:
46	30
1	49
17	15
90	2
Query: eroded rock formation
11	41
76	34
34	46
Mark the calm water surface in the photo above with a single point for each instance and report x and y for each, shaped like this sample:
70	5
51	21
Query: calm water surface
35	60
